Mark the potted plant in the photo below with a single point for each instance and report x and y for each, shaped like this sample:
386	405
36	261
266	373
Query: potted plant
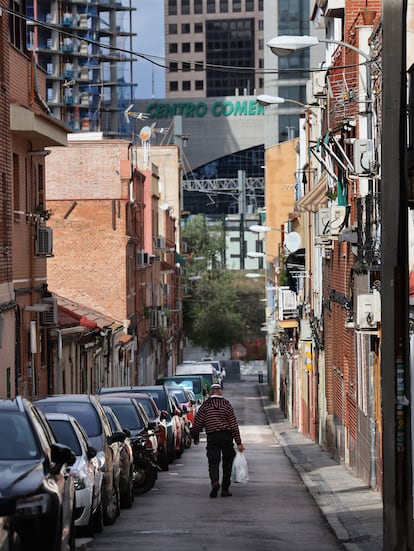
368	15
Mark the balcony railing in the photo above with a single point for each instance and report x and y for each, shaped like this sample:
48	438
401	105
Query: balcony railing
369	231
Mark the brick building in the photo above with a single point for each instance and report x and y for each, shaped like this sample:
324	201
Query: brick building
26	130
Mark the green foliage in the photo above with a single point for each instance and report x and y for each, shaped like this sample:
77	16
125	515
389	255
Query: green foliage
219	308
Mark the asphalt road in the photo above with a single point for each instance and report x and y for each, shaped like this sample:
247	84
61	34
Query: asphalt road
272	512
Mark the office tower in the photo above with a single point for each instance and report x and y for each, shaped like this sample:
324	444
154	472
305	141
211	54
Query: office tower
201	36
84	48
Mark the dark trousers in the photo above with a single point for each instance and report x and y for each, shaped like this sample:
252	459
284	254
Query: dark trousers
220	446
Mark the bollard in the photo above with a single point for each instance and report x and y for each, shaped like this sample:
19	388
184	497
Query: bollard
260	376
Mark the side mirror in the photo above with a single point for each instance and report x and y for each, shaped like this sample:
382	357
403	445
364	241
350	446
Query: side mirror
117	436
91	452
60	455
152	425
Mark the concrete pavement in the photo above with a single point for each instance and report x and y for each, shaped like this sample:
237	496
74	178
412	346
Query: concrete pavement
352	509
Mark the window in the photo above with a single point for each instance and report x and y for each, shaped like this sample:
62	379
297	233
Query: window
186	85
260	25
249	5
236	5
185	7
185	47
198	27
198	6
173	86
186	66
173	48
199	85
173	67
224	6
260	5
185	28
198	66
172	28
198	47
16	186
211	6
172	7
261	43
17	25
261	63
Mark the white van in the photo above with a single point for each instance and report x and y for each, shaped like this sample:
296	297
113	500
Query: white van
206	370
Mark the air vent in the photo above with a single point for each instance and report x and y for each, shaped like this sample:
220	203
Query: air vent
44	241
50	317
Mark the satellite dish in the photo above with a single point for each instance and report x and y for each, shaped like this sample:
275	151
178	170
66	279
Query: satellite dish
292	241
145	133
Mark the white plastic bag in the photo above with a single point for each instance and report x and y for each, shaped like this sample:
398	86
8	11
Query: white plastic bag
240	471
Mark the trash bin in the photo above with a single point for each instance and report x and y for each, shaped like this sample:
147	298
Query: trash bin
260	376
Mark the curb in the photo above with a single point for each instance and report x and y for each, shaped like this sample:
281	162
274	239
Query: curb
345	524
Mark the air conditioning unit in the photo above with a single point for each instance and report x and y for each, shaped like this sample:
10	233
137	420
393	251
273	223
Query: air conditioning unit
44	241
159	242
318	83
50	317
338	213
363	156
142	258
368	310
329	221
322	222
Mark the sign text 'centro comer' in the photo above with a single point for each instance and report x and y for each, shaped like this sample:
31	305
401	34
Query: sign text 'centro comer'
238	108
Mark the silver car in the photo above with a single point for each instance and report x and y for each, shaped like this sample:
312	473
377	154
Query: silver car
86	472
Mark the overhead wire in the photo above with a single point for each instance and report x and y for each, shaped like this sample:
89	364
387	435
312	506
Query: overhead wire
164	62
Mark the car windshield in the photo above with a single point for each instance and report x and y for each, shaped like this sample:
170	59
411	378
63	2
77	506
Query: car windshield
128	416
65	434
180	394
16	437
84	412
148	406
159	398
193	384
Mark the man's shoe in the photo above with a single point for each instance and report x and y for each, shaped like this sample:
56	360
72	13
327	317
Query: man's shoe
225	493
214	490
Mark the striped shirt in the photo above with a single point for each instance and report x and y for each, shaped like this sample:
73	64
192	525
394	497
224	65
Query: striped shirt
216	414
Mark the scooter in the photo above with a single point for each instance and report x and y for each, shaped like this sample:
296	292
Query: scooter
145	466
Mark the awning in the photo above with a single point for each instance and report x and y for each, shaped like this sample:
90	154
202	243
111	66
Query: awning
315	198
288	324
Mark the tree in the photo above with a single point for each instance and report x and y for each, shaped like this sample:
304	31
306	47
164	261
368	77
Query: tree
219	308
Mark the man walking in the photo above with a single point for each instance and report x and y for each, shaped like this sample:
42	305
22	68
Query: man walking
217	416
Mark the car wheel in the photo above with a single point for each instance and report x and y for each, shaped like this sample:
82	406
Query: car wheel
112	508
128	497
88	530
72	536
98	515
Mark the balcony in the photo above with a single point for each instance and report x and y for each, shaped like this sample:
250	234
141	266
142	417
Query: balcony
369	231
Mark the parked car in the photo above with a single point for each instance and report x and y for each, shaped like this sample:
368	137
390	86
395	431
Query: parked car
186	398
205	369
91	416
37	495
163	400
195	382
184	428
126	481
86	472
160	425
132	417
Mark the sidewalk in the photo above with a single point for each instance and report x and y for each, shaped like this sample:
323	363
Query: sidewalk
352	509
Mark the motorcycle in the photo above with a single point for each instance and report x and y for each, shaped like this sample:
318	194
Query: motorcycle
145	465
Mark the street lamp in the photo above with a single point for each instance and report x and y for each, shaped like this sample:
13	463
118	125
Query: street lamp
265	100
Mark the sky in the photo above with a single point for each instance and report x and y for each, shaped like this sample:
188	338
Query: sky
149	26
